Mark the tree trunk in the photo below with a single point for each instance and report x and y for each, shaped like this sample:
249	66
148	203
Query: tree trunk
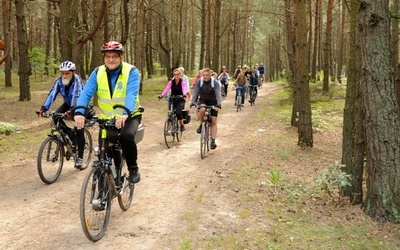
6	4
316	40
381	112
353	142
305	124
327	47
24	68
340	43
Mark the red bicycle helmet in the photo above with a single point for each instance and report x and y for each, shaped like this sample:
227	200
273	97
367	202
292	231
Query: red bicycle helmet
112	46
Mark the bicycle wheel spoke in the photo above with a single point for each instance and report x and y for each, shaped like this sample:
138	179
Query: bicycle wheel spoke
95	204
169	136
50	160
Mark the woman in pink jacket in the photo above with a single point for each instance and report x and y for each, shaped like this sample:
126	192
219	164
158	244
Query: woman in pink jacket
178	91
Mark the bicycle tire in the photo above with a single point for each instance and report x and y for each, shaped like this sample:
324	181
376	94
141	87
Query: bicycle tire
238	102
87	152
169	137
178	132
94	213
126	190
203	140
50	160
252	99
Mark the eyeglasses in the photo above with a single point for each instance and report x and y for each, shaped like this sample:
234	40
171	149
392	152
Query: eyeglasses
111	57
177	74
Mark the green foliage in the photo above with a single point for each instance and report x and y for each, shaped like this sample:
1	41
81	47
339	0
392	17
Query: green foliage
274	178
333	178
6	128
37	56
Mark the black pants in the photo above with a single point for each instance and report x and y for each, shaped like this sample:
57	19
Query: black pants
179	106
225	88
80	136
127	140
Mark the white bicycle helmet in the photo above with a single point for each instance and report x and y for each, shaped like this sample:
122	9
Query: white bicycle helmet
67	66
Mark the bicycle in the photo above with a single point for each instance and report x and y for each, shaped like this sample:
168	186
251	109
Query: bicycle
171	125
223	91
59	145
106	179
205	135
238	101
253	94
260	81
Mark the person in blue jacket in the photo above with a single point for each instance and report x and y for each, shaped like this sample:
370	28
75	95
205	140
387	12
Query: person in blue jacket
116	82
69	85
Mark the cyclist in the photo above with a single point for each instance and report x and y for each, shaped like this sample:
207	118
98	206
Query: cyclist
261	70
177	87
240	85
224	79
185	79
69	85
116	82
253	82
238	71
209	90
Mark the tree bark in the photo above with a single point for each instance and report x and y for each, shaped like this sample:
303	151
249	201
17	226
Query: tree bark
24	68
381	112
303	87
353	142
6	4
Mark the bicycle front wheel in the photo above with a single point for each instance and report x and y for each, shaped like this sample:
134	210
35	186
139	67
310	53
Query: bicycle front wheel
203	140
125	189
50	160
95	204
238	102
87	152
169	136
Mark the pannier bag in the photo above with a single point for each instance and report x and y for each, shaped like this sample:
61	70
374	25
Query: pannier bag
186	116
139	133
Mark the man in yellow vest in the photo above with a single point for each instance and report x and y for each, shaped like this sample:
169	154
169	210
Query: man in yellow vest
115	82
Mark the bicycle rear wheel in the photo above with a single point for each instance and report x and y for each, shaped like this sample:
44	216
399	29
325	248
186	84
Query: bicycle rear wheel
95	204
178	132
169	136
126	189
50	160
87	152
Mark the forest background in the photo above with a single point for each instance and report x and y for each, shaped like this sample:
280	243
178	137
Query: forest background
304	41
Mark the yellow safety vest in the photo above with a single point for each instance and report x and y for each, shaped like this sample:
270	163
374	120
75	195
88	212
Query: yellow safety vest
105	101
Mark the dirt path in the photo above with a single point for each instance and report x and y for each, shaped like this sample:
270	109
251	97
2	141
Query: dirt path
38	216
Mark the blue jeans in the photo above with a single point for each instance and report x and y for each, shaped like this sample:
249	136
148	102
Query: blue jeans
242	91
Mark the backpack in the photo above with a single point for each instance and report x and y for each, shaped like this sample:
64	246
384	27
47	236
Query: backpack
212	82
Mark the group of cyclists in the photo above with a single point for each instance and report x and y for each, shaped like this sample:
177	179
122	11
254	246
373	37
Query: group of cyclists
117	82
114	82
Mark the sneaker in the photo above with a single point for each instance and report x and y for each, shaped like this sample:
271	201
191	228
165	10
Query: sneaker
199	129
242	105
182	128
78	163
134	176
213	145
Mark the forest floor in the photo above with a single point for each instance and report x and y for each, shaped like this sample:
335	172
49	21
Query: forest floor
256	190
